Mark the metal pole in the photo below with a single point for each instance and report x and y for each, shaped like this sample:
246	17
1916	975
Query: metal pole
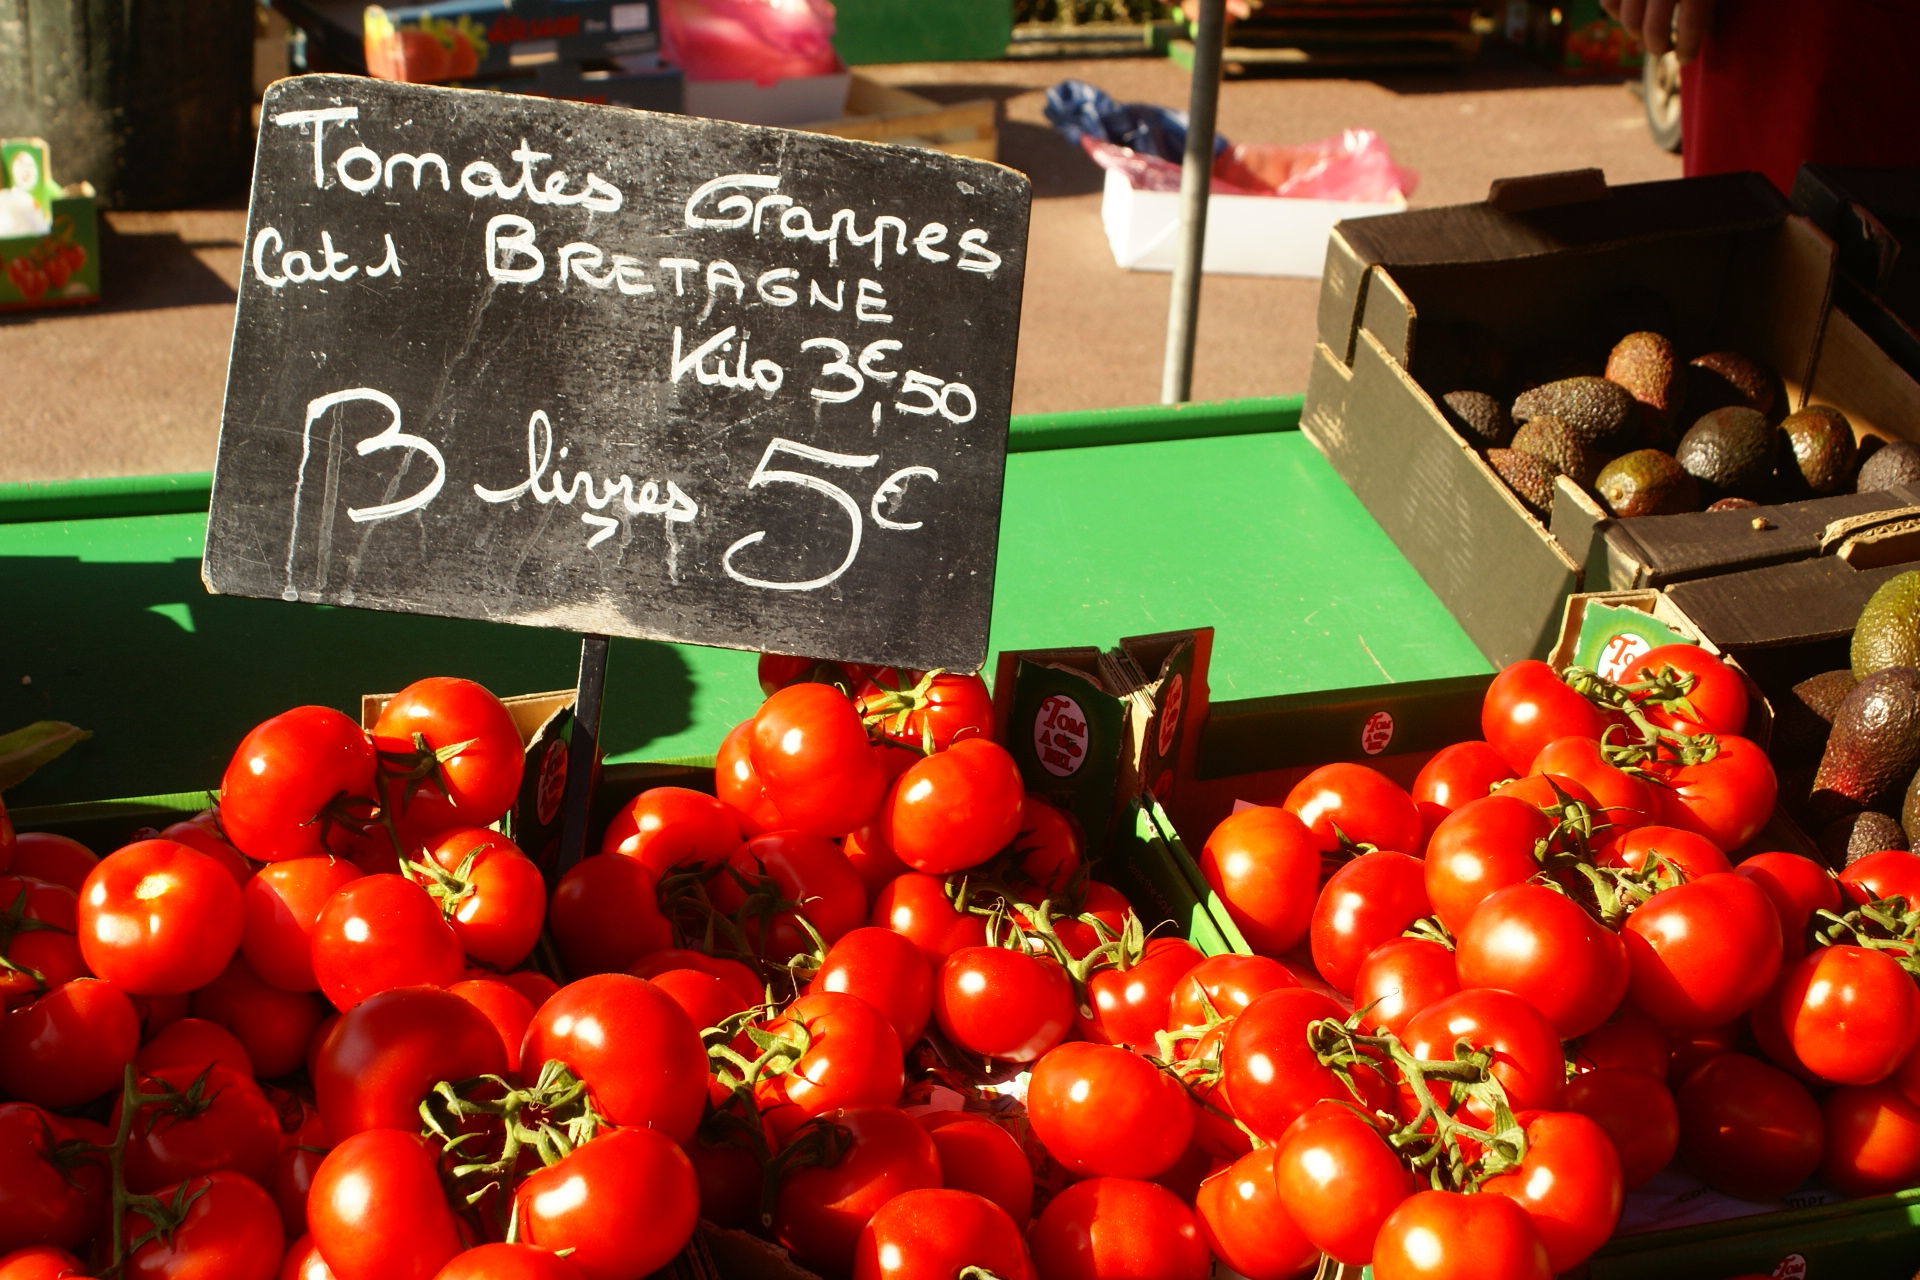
1196	178
583	750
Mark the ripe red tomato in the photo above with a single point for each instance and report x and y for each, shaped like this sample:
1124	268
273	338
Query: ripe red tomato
1728	799
936	1234
1130	1005
1456	776
667	827
1101	901
1623	801
1886	874
158	918
1543	947
1270	1071
1548	791
290	1181
472	788
916	906
605	915
1569	1182
1401	977
36	939
778	670
956	809
1852	1014
1051	845
493	895
1636	1112
1527	1058
707	1000
851	1058
980	1156
69	1046
231	1229
1339	1180
809	750
385	1055
740	788
1365	903
1245	1225
285	775
624	1203
279	908
227	1123
1629	1041
195	1043
55	859
804	869
821	1210
1798	887
1443	1235
1718	697
1356	805
886	970
1222	986
1265	865
1704	952
870	855
376	1209
380	932
637	1051
1692	854
1748	1129
1003	1004
1692	1046
273	1025
40	1262
1873	1140
1483	846
1108	1227
1527	706
1103	1111
741	980
509	1262
203	838
39	1205
953	708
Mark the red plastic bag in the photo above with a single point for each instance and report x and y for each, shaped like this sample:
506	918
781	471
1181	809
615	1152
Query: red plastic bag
758	40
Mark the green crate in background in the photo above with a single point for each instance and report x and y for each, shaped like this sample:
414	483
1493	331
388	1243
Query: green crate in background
922	30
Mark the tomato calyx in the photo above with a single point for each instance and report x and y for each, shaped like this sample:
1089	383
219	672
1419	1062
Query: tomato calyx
165	1216
1435	1143
900	703
551	1117
447	888
1881	924
1430	929
15	921
1665	692
818	1143
701	925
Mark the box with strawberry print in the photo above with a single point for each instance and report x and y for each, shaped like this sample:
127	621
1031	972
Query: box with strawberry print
49	237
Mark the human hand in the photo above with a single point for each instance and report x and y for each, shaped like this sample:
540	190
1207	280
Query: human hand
1661	25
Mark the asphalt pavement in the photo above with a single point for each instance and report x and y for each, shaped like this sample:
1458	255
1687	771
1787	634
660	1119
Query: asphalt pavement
134	385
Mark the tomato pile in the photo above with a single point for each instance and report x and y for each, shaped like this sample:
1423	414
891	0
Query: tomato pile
871	1001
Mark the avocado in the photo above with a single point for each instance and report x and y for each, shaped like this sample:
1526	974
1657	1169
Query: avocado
1910	810
1528	475
1549	437
1874	749
1721	379
1732	504
1647	482
1644	363
1478	417
1803	719
1820	442
1604	414
1888	632
1845	841
1889	467
1731	453
1464	355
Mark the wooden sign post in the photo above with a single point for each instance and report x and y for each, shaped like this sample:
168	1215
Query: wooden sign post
581	367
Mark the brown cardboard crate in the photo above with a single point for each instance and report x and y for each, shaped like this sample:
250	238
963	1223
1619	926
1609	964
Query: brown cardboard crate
878	112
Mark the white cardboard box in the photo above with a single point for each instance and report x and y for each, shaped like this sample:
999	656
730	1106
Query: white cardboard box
1246	235
800	100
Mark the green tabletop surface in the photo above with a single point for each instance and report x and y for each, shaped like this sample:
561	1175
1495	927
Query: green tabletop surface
1116	522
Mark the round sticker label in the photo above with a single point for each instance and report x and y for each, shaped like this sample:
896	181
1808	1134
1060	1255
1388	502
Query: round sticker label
1791	1267
1376	733
1060	736
1170	713
1620	653
553	782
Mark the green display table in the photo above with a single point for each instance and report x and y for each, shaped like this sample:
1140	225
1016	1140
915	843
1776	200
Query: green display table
1116	522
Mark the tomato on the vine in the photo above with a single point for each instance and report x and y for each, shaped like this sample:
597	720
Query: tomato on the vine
1118	1227
1245	1224
38	951
951	708
39	1202
381	932
158	918
1399	978
623	1204
886	970
70	1045
605	915
956	809
501	1261
1637	1113
1569	1182
738	785
638	1053
376	1209
1104	1111
1886	874
1265	865
850	1056
490	892
1456	776
980	1156
230	1222
1130	1005
808	871
1222	986
1728	799
1748	1129
1527	706
809	750
741	980
1623	800
1339	1180
1270	1070
1797	887
1873	1140
1009	1005
1370	900
288	777
279	908
1691	854
56	859
1704	952
473	786
1443	1235
1526	1053
218	1119
668	827
386	1054
1852	1014
1629	1041
821	1210
1350	804
1483	846
1718	699
274	1025
1542	946
916	906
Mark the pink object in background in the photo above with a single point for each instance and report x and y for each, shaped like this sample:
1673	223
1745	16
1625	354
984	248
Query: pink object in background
1354	165
760	40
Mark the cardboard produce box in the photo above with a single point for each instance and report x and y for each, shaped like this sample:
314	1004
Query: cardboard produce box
1531	265
49	234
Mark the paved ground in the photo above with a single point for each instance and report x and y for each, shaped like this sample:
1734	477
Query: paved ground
134	386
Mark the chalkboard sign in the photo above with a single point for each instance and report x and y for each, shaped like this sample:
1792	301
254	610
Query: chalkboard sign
583	367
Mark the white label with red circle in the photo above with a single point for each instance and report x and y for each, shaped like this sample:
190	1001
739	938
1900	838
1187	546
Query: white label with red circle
1619	654
1060	735
1791	1267
1376	733
1170	713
